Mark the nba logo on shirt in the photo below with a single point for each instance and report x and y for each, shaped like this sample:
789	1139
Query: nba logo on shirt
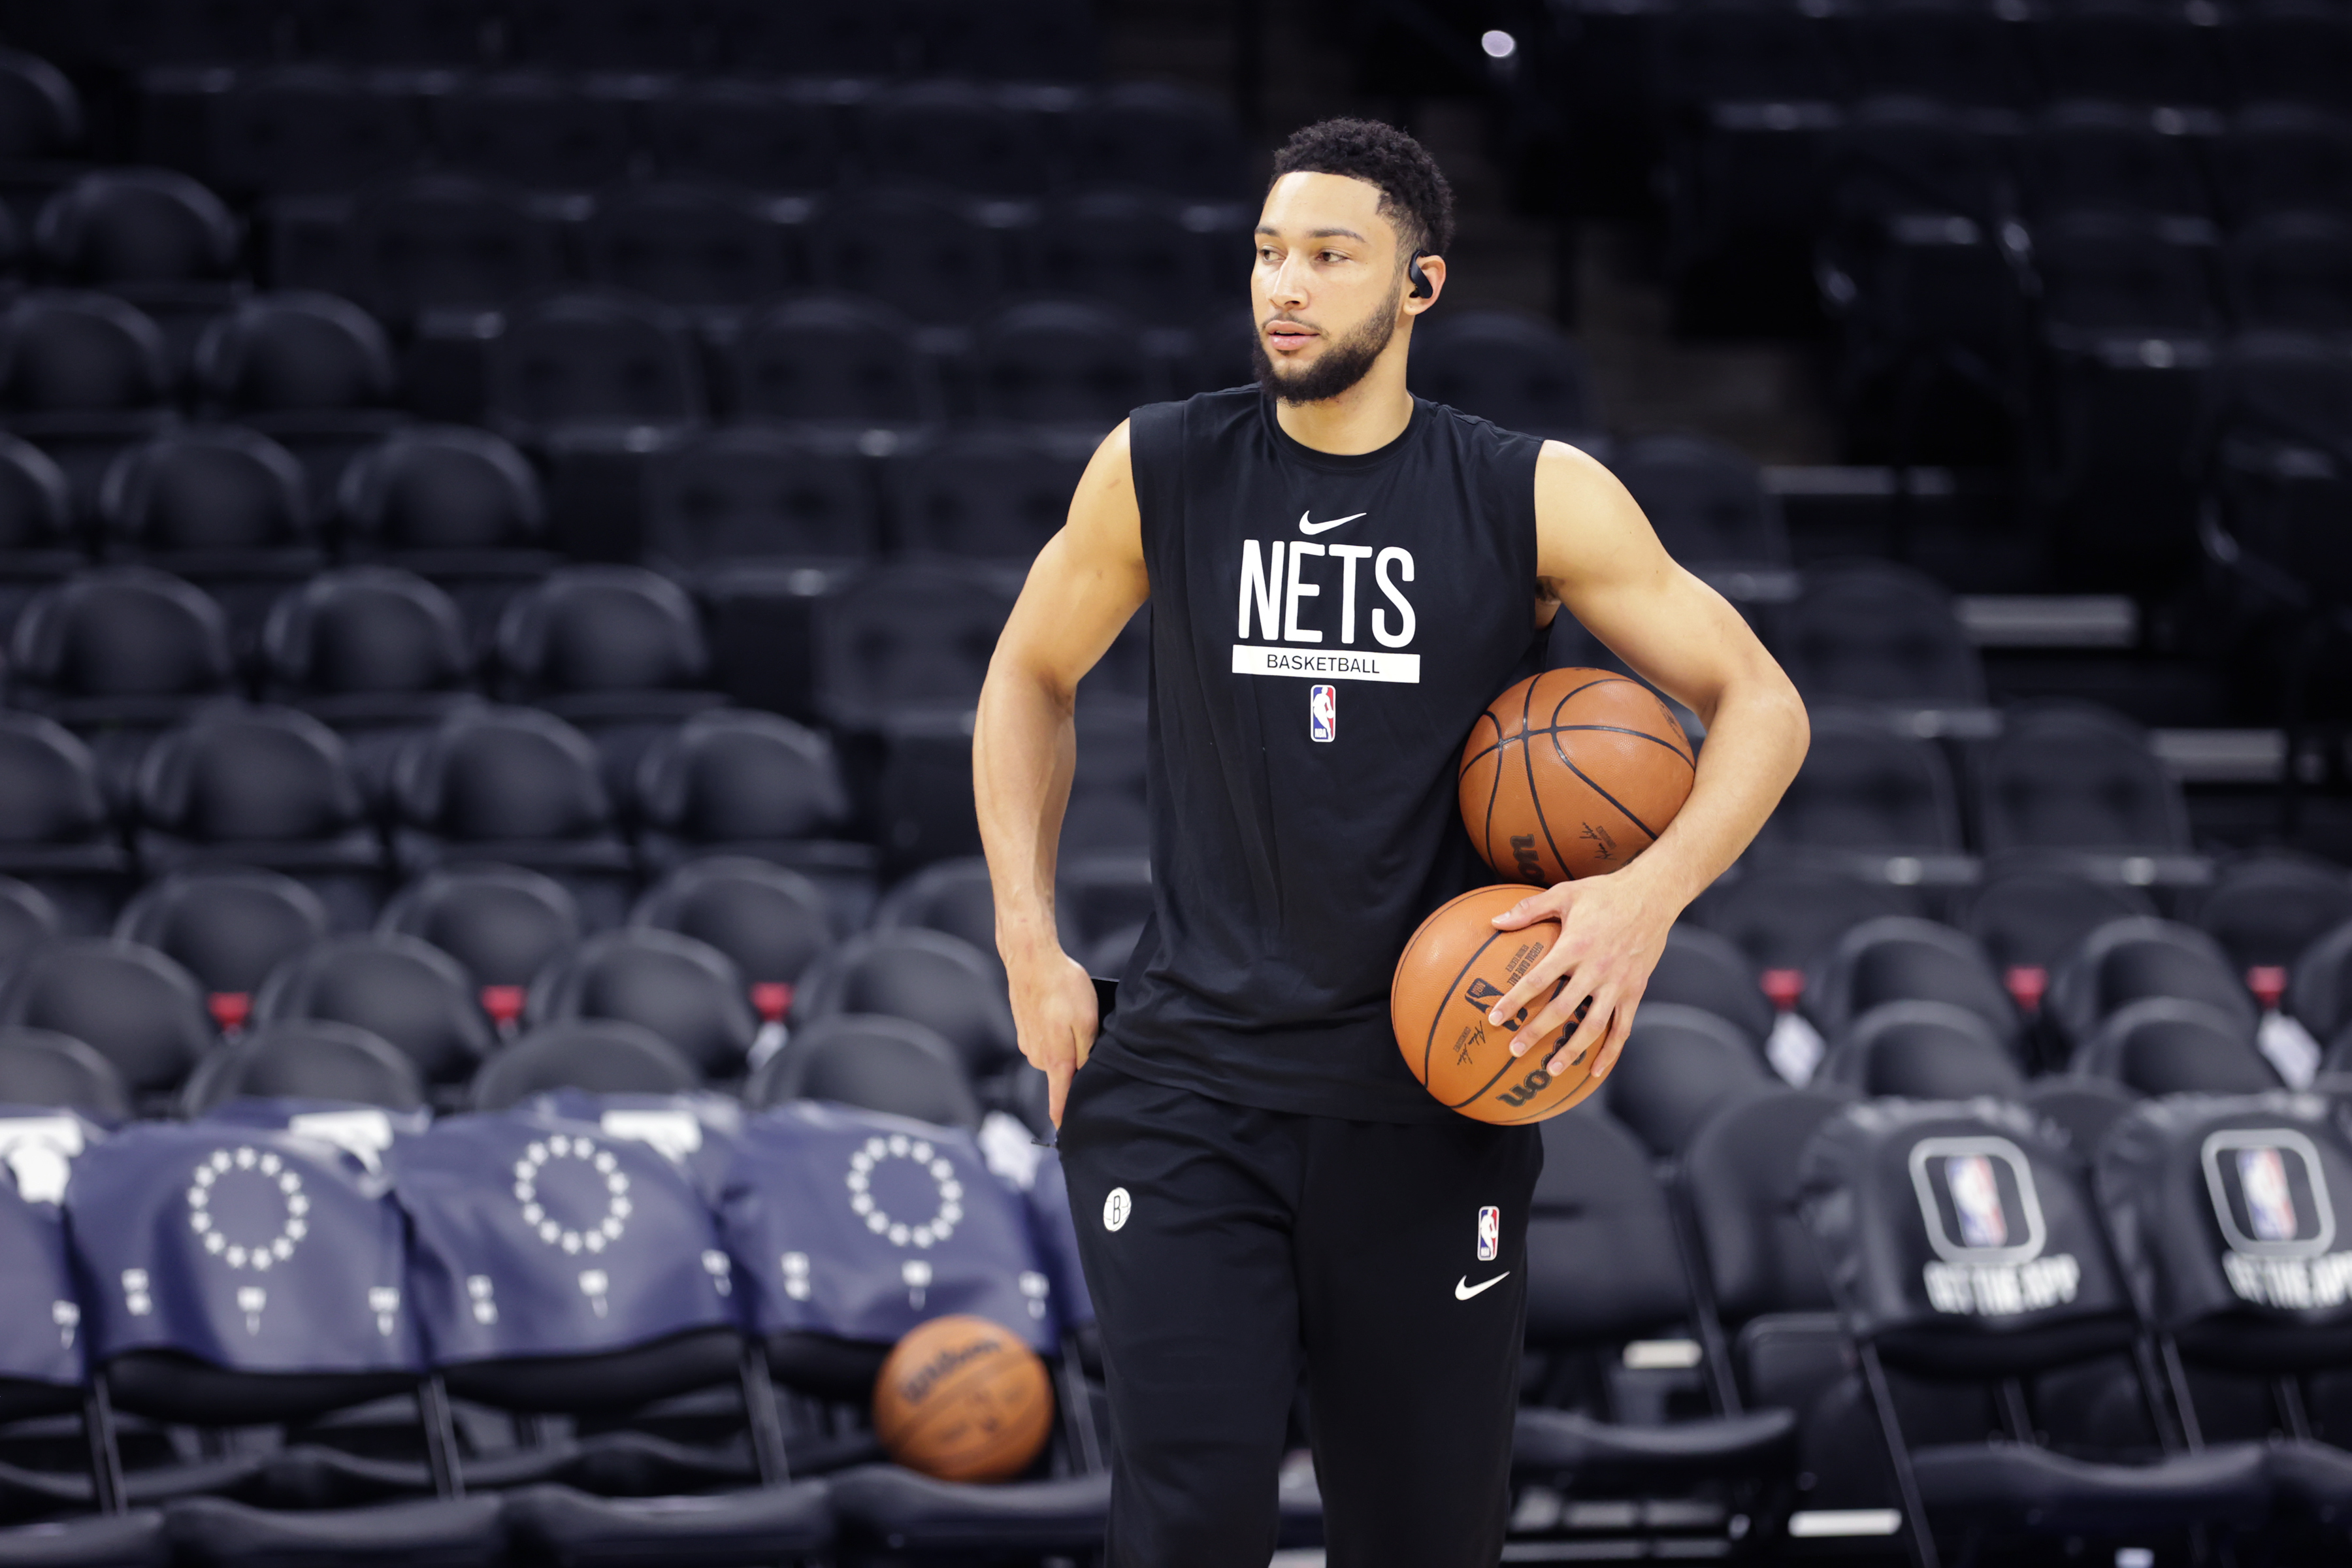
1975	1199
1323	711
1490	1233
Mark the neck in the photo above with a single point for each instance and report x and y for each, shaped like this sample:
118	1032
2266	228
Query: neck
1364	418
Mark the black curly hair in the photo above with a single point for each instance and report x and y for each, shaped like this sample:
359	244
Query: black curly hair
1413	193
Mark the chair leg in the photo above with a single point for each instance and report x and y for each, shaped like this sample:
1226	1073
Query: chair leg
760	1415
105	1449
440	1437
1898	1456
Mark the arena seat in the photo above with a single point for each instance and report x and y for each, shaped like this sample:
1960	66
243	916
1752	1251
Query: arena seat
986	495
128	649
305	129
1783	916
452	503
1923	1050
604	646
37	527
425	243
2066	778
261	787
964	138
311	371
133	1005
1708	504
82	376
2086	156
2124	54
2128	961
1681	1066
538	129
127	230
2029	916
1603	1271
1869	793
915	252
598	1056
925	976
223	506
375	653
1156	137
1076	363
832	359
28	917
1875	632
751	497
1902	958
516	785
892	1066
1144	255
765	136
57	836
42	1067
2291	272
771	923
2066	1306
40	112
2266	909
591	361
1700	969
404	991
2283	157
228	925
1516	370
501	923
304	1059
2319	986
913	637
687	992
2164	1045
699	249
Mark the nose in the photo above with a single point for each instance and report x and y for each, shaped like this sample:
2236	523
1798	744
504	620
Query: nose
1286	288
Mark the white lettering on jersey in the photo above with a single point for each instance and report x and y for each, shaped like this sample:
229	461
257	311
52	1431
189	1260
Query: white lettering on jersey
1299	589
1349	555
1398	667
1262	587
1404	610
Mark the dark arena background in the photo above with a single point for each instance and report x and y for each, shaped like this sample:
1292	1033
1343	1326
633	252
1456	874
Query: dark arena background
505	506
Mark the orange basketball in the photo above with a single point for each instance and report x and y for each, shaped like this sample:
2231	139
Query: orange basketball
963	1399
1454	970
1571	774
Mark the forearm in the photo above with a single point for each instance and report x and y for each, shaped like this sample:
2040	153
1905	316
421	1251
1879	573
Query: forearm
1025	746
1755	738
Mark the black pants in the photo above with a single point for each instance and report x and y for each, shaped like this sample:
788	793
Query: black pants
1227	1249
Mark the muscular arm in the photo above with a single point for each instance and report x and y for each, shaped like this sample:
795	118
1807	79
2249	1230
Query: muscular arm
1083	587
1599	557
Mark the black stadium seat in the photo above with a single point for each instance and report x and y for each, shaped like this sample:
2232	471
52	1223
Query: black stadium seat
228	925
951	896
2133	960
37	532
1923	1050
832	359
1065	361
891	1065
2284	157
405	992
909	638
1875	632
1983	1188
43	1068
2266	909
1785	916
374	652
685	990
1681	1067
925	976
2162	1045
298	130
1145	255
456	504
542	132
40	112
82	376
312	371
2029	916
1708	504
773	922
1516	370
602	1056
956	137
135	1007
1868	789
1900	958
122	649
916	253
753	497
511	784
305	1058
1603	1271
28	917
501	923
261	787
129	229
605	644
1154	137
1700	969
986	495
2064	777
2084	156
57	835
2292	271
693	247
223	506
757	136
592	361
433	242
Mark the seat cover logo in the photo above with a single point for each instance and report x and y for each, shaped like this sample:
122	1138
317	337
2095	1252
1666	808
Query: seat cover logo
1984	1222
2269	1190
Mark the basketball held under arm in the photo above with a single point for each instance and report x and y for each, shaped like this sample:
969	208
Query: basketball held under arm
1084	586
1600	557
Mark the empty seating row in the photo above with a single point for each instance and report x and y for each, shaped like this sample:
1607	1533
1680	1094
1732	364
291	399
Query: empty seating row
311	129
1041	40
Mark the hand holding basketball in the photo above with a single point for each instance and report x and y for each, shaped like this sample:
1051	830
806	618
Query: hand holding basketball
1612	932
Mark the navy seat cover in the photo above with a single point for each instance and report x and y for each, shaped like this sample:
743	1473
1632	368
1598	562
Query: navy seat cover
539	1235
861	1226
40	1311
249	1247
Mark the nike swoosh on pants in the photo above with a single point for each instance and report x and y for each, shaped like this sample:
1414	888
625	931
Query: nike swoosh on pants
1463	1289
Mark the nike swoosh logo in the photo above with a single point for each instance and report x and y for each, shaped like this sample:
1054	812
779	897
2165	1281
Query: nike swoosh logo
1463	1289
1306	527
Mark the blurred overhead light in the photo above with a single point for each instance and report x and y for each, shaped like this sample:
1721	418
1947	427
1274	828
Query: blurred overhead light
1499	45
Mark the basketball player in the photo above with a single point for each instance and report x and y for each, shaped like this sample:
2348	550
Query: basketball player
1341	577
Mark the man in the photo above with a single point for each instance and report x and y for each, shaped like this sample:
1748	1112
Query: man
1261	1188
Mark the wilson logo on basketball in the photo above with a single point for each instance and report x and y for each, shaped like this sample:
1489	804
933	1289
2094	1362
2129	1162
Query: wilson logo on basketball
1526	1089
1523	854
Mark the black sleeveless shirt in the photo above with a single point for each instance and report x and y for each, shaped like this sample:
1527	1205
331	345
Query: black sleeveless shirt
1324	629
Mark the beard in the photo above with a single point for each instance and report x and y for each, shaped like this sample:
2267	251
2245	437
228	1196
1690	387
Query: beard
1344	361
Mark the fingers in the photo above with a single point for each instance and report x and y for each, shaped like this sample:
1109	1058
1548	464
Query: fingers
1537	985
1057	1088
1568	1006
1592	1027
1547	904
1620	1030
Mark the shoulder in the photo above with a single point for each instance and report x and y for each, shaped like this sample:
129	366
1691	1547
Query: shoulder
1164	427
1482	439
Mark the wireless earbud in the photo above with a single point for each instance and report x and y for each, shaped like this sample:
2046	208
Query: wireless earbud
1421	288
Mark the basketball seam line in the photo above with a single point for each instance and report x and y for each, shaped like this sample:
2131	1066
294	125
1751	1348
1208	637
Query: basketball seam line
1604	794
1535	796
1619	730
1429	1045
